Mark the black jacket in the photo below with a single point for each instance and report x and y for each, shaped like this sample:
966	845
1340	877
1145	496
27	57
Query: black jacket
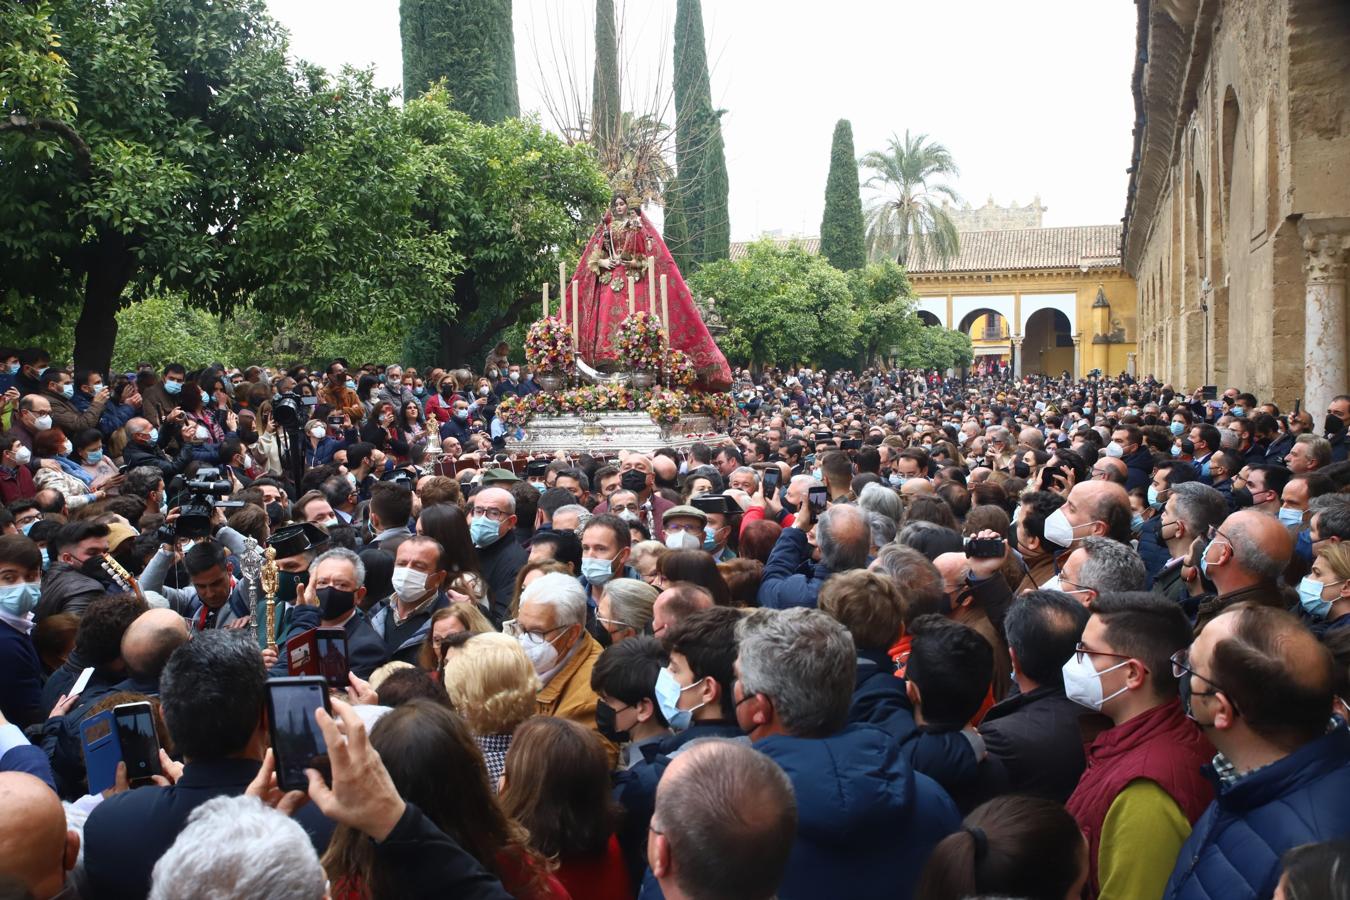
500	562
432	865
66	589
1036	736
127	833
366	651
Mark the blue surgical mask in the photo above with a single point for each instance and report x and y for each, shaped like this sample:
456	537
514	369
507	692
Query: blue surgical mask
1204	470
1204	559
351	385
1136	522
1176	450
206	398
173	387
1239	411
46	561
1153	496
28	526
1177	428
709	537
1290	517
1310	597
483	531
668	692
154	435
597	571
68	390
18	600
14	368
93	456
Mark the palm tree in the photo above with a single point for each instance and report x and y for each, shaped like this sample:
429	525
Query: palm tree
906	217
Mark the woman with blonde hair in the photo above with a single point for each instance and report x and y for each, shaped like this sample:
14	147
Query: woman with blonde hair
1325	592
454	619
492	684
646	558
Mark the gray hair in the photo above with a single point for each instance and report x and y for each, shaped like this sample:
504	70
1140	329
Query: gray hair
878	498
342	553
745	470
1319	448
804	660
1199	507
1333	515
882	528
141	480
560	591
582	513
1111	566
630	602
843	536
235	848
1251	555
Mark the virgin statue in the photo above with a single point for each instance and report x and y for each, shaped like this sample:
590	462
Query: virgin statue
617	253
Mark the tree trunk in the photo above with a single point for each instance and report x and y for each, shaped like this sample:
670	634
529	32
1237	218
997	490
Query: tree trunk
109	272
460	339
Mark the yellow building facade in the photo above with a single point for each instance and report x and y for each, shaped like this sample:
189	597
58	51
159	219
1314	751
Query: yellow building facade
1046	300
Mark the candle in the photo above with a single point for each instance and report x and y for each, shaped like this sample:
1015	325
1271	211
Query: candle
651	284
632	295
545	293
665	308
576	337
562	282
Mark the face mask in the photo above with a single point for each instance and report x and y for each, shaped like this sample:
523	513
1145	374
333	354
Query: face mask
597	571
350	385
394	382
543	654
1239	411
514	376
202	433
68	391
1290	517
14	368
634	480
93	457
334	602
318	431
1114	450
42	423
153	435
409	583
896	481
18	600
668	692
351	479
1083	683
1058	530
483	531
23	456
682	540
206	398
483	391
1136	522
817	475
492	373
247	437
539	486
1021	469
709	537
1204	558
1176	450
173	388
289	584
276	513
1176	428
1051	584
461	415
66	448
606	722
1153	496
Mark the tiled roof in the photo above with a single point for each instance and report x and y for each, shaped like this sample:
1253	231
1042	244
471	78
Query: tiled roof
1096	246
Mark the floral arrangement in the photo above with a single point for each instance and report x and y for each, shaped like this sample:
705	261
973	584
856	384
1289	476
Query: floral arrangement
664	406
549	346
679	369
640	342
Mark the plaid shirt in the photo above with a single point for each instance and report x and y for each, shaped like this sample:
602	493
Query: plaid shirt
494	747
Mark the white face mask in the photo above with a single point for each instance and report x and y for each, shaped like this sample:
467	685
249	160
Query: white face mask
1058	530
23	456
683	540
42	423
1083	683
202	433
318	431
408	583
543	654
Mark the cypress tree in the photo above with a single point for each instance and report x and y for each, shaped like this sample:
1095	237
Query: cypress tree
471	45
605	100
702	225
842	235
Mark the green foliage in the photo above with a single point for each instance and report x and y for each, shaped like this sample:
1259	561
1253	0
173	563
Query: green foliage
698	223
934	347
885	303
842	237
781	305
32	71
160	329
605	98
469	44
907	218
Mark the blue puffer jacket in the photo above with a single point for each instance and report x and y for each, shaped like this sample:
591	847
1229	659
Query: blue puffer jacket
866	821
1234	850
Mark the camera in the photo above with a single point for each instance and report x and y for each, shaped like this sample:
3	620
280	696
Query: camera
203	491
288	410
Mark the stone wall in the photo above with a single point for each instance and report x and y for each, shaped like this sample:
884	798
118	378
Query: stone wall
1239	180
996	218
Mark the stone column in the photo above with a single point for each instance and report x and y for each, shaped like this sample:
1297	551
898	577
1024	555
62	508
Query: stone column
1130	365
1324	342
1017	355
1078	355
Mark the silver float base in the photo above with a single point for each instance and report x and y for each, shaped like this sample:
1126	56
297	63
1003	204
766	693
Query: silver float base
610	432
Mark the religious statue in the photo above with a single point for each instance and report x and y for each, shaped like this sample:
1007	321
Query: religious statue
613	273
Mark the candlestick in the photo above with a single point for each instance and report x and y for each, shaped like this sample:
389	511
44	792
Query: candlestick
632	294
665	308
651	284
562	281
576	336
545	299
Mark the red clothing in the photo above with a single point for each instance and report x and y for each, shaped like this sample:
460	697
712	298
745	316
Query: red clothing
517	872
1162	746
600	877
16	485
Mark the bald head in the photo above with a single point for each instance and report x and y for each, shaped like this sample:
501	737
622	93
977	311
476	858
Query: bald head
1110	469
1098	507
1260	550
953	567
916	486
150	640
677	603
844	536
35	847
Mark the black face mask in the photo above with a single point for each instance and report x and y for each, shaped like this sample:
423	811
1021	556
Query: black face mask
334	602
248	437
634	480
1021	469
276	513
1242	498
605	723
1333	425
448	391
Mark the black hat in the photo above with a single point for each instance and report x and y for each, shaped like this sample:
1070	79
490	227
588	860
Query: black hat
296	539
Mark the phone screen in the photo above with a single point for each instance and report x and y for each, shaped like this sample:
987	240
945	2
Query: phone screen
771	477
331	646
297	743
818	498
140	744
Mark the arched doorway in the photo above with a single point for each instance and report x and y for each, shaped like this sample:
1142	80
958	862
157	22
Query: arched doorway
1047	344
990	337
929	319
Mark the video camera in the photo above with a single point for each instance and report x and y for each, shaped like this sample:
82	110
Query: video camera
200	503
288	410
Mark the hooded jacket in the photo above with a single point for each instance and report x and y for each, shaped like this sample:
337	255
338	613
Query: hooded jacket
866	821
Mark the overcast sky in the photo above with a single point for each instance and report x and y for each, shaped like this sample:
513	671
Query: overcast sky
1031	97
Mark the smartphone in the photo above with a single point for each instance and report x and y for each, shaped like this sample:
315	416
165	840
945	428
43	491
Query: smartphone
81	683
985	548
818	498
102	753
137	737
297	742
335	421
712	503
1048	475
851	444
331	649
771	477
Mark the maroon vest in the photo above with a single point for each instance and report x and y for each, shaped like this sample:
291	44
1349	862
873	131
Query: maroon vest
1161	745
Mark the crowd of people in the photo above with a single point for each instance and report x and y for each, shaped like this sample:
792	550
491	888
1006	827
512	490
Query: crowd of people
892	634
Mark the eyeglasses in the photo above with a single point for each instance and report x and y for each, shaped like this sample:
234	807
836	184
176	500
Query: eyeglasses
1082	650
689	529
1181	668
618	625
487	512
27	519
513	628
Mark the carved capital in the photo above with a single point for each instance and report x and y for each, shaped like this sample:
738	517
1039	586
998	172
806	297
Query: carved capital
1325	242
